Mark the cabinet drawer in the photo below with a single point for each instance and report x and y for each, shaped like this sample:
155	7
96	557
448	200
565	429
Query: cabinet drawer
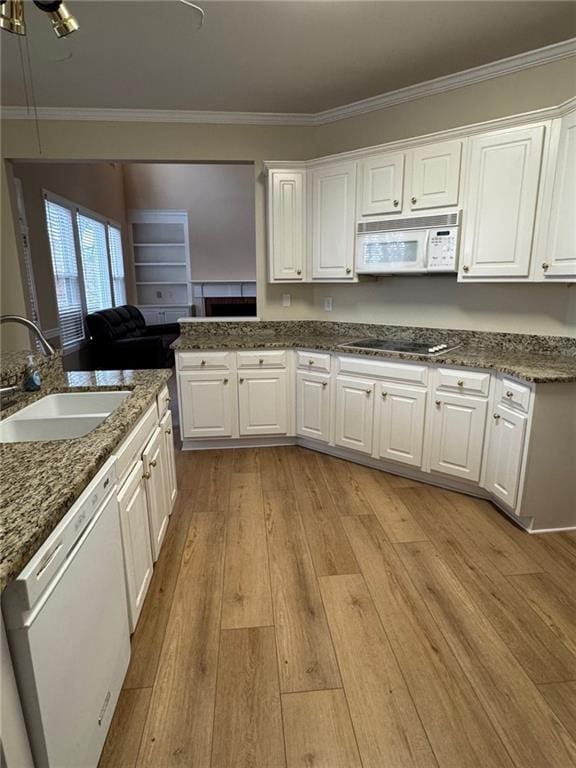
205	361
469	382
384	369
163	401
313	361
262	359
131	449
514	394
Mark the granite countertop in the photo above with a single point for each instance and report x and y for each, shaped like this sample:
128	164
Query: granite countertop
41	480
529	365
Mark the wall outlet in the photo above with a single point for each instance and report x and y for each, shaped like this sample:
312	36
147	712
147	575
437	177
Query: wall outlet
328	303
286	299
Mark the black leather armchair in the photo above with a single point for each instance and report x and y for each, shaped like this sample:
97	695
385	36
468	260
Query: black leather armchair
120	338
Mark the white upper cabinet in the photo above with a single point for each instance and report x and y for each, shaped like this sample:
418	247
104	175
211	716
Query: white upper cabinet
435	177
263	402
502	182
401	412
287	225
333	221
558	249
382	184
505	454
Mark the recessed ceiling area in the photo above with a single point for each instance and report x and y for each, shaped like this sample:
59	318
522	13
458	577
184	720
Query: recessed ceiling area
297	57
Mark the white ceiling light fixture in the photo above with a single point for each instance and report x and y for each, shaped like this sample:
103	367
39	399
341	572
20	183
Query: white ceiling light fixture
12	16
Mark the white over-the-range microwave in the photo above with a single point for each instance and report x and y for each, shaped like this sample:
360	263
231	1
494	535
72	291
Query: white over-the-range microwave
414	245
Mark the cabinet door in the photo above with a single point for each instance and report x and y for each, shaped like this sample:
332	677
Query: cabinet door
458	436
502	189
401	413
313	405
169	462
154	471
382	184
505	453
135	530
333	222
560	247
435	175
206	404
263	402
354	413
287	224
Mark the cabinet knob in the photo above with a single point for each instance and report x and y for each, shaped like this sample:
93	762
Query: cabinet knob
168	400
202	362
460	383
396	203
413	200
348	270
438	403
466	268
324	383
153	463
310	362
545	267
384	395
146	475
261	362
241	381
496	416
368	392
168	431
509	394
225	381
298	271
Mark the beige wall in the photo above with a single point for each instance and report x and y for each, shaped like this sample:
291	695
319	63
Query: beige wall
220	204
97	186
434	301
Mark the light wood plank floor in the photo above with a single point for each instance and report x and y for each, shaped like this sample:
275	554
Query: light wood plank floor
307	612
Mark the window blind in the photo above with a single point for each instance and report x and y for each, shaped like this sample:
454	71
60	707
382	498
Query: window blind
117	265
95	266
66	278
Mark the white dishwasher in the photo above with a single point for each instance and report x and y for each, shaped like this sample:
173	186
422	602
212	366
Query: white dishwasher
67	624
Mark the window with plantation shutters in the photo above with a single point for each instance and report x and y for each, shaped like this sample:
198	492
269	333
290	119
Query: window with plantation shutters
60	221
117	264
87	261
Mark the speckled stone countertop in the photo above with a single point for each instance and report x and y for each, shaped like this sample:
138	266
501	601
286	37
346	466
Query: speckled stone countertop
538	359
41	480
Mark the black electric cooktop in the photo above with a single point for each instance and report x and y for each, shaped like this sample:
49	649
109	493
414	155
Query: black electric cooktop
401	345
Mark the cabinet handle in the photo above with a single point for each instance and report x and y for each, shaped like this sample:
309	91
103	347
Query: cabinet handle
509	394
496	416
261	362
348	270
298	271
153	463
225	381
438	403
413	200
545	267
202	362
324	383
241	381
146	475
460	383
168	431
310	362
396	203
384	395
168	400
466	268
368	392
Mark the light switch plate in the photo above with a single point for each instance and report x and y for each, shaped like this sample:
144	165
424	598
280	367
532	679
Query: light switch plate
286	299
328	303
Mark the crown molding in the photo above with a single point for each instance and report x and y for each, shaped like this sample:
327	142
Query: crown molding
517	63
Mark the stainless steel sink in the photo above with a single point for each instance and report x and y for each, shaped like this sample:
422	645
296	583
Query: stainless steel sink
61	416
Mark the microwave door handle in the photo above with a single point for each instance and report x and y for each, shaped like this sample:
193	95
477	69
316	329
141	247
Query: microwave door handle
426	252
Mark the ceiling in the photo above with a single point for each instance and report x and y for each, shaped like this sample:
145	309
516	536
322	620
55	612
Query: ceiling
297	57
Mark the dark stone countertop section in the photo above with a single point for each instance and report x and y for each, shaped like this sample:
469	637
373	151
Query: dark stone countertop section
537	359
41	480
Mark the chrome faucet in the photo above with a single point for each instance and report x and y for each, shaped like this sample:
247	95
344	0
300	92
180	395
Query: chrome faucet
45	344
7	394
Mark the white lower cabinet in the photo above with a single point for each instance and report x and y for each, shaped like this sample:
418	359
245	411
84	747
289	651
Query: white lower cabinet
207	404
505	454
263	402
458	425
154	471
168	460
401	413
135	530
313	405
354	424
